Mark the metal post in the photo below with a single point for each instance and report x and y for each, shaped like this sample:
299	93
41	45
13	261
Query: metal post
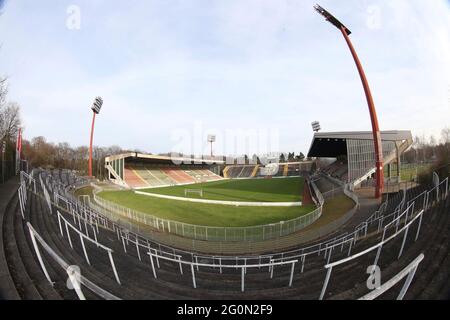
153	265
156	257
113	266
137	249
403	243
193	277
325	284
123	243
68	235
84	249
349	248
59	223
38	253
90	145
179	263
242	279
19	191
377	256
292	274
407	283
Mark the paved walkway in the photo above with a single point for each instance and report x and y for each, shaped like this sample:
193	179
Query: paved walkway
7	191
367	206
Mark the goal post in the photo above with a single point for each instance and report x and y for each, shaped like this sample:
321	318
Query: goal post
197	191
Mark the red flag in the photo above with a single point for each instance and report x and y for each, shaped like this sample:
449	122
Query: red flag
19	144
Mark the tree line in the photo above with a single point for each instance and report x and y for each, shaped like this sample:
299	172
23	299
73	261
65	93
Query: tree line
432	151
38	152
9	127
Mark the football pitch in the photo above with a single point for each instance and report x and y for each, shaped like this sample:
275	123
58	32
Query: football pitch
266	190
261	190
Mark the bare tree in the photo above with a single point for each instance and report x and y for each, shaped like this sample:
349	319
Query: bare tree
445	135
3	90
432	141
9	120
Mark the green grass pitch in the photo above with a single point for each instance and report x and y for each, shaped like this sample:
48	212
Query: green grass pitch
263	190
275	190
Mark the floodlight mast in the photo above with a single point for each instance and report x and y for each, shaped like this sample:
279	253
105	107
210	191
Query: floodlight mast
96	106
211	139
373	114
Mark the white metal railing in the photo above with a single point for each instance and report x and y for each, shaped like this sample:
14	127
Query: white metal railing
35	237
215	262
318	195
322	247
83	237
26	177
156	254
157	250
210	233
22	193
378	246
356	235
243	267
409	270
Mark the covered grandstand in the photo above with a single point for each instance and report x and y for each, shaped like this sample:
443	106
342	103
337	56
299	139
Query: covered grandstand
354	153
137	170
289	169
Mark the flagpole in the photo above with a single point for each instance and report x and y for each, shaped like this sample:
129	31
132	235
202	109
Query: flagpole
18	150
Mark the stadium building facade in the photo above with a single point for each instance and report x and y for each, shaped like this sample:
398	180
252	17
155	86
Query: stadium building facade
357	150
138	170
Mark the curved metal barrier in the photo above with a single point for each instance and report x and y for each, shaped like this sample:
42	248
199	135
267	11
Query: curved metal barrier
388	226
209	233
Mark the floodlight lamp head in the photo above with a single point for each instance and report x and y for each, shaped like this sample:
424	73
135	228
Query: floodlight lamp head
211	138
331	19
315	126
97	105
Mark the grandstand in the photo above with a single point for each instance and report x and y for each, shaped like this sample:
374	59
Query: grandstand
45	230
290	169
240	171
358	151
136	170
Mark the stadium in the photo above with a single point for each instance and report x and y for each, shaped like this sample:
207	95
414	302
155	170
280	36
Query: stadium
183	229
356	219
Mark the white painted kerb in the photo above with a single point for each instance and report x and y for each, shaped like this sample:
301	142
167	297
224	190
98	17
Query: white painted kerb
227	203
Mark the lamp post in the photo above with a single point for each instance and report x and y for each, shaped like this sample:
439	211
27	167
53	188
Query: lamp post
315	126
96	106
211	139
373	115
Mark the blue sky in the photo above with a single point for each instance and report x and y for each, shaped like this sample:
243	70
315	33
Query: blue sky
166	68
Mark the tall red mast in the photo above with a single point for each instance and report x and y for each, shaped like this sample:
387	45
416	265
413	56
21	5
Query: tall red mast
379	176
95	110
90	145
